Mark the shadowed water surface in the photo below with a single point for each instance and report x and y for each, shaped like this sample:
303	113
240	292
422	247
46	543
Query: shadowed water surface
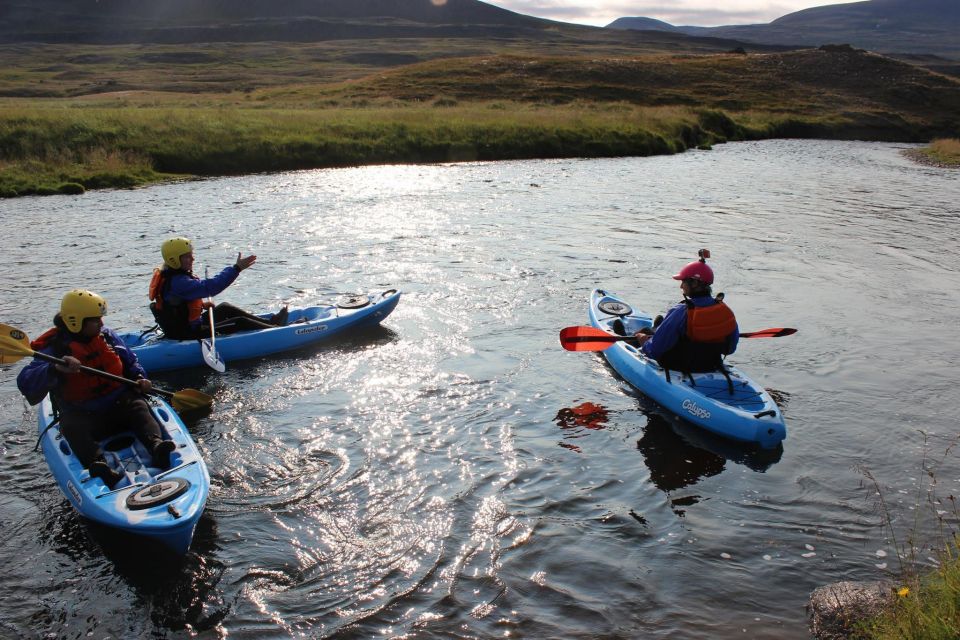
455	473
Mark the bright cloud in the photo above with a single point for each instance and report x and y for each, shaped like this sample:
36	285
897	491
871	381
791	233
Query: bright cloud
701	13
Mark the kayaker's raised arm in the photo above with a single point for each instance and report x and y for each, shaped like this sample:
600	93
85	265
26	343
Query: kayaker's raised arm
178	295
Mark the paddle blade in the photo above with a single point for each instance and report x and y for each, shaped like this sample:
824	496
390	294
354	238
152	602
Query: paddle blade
14	344
211	357
190	400
586	339
769	333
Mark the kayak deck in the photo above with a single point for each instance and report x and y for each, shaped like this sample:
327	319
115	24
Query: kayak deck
162	504
304	327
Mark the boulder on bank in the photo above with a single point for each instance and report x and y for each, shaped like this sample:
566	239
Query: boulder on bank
834	610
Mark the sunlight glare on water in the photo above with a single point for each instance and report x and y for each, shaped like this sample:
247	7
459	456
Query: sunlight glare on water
455	473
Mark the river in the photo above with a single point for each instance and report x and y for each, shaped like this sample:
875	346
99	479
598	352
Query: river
433	478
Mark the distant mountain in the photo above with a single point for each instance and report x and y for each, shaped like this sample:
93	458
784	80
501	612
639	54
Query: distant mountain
927	27
118	21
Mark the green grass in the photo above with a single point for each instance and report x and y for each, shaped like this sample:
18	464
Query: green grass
49	144
927	609
927	603
493	107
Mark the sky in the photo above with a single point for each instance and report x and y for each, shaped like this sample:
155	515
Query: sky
698	13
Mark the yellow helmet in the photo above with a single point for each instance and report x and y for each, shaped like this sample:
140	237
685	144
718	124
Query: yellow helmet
172	249
78	305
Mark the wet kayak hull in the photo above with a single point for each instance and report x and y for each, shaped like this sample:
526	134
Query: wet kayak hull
304	327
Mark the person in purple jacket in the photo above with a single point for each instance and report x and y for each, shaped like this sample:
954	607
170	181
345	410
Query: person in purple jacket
92	407
696	334
177	296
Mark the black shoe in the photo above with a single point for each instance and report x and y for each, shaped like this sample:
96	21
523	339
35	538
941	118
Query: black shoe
161	453
657	321
279	319
102	470
618	328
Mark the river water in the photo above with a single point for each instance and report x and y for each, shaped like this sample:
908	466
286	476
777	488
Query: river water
455	473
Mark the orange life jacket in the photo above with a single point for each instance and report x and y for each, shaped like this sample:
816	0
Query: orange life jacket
176	320
157	285
710	324
96	354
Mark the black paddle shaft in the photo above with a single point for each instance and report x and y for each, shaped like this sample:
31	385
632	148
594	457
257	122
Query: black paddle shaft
97	372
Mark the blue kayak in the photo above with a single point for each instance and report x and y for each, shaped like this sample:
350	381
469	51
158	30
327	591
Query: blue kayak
304	327
739	409
161	504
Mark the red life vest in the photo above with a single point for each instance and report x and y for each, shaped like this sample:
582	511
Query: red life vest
96	354
710	324
157	285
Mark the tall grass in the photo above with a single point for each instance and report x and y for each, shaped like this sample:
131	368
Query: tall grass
927	606
945	151
44	144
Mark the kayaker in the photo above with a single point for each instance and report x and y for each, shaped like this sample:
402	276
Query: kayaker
696	334
92	407
177	296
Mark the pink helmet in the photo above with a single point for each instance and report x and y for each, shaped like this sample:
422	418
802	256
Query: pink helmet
698	270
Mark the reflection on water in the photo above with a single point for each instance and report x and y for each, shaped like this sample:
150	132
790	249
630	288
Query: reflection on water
408	482
673	463
583	416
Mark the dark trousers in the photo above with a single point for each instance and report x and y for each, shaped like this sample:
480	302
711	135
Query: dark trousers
83	429
230	319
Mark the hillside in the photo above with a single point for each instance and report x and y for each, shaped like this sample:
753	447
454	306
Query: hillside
119	93
830	83
60	70
475	108
927	27
181	21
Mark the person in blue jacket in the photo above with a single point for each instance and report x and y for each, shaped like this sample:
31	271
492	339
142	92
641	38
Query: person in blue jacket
177	296
696	334
92	407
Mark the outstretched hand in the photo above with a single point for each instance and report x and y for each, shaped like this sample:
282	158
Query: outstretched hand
244	263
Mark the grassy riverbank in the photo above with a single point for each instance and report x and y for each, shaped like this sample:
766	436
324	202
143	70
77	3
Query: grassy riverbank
52	144
945	151
478	108
930	610
926	605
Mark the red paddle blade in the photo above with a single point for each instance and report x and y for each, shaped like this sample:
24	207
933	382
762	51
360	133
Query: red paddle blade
586	339
769	333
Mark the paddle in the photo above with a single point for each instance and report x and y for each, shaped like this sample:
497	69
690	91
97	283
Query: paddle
14	345
593	339
209	347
